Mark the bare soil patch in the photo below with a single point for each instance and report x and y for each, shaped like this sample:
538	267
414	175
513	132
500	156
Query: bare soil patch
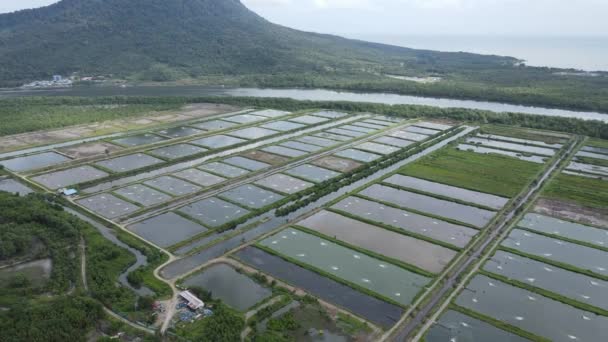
337	164
266	157
572	211
89	149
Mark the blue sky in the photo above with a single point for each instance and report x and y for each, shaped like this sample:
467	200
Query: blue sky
358	18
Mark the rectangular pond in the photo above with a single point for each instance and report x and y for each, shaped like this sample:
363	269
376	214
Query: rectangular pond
62	179
419	253
317	141
14	187
458	236
433	125
420	130
455	326
566	229
284	184
179	132
309	119
214	125
377	148
592	155
365	130
582	257
593	149
332	136
301	146
569	284
251	196
337	164
139	140
213	212
283	126
173	186
177	151
253	133
520	141
330	114
233	288
270	113
370	308
202	178
431	205
360	269
284	151
167	229
129	162
409	136
532	312
368	125
34	161
588	168
245	163
487	150
265	157
108	206
312	173
142	195
542	151
393	141
245	118
358	155
218	141
480	198
379	122
224	170
346	132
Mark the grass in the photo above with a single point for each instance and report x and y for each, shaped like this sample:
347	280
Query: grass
585	191
494	174
597	143
593	161
522	133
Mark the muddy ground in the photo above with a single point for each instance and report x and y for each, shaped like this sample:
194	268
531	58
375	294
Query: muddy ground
572	211
89	149
266	157
337	164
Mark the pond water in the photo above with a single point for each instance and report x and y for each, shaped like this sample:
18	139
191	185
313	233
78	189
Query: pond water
251	196
358	129
486	150
480	198
301	146
270	113
433	125
592	155
588	168
12	186
377	148
177	151
569	284
283	126
284	151
368	125
532	312
378	122
358	155
231	287
330	114
213	212
309	119
409	136
346	132
595	149
455	326
138	140
167	229
566	229
34	162
245	118
245	163
173	186
312	173
420	130
224	169
218	141
199	177
393	141
455	235
370	273
520	141
179	132
108	206
372	309
336	137
129	162
253	133
62	179
543	151
143	195
544	247
214	125
284	184
37	272
419	253
317	141
427	204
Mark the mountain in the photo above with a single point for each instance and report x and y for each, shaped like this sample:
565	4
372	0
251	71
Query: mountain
175	39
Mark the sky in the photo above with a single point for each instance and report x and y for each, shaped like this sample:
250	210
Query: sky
364	18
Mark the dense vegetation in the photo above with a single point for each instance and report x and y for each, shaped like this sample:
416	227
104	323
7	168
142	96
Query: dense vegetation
20	107
224	325
494	174
582	190
222	42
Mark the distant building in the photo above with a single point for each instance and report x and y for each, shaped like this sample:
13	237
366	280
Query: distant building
57	78
68	192
193	302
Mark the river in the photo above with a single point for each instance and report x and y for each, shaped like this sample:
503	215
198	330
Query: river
304	94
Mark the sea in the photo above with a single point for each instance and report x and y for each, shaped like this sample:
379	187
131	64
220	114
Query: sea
581	53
